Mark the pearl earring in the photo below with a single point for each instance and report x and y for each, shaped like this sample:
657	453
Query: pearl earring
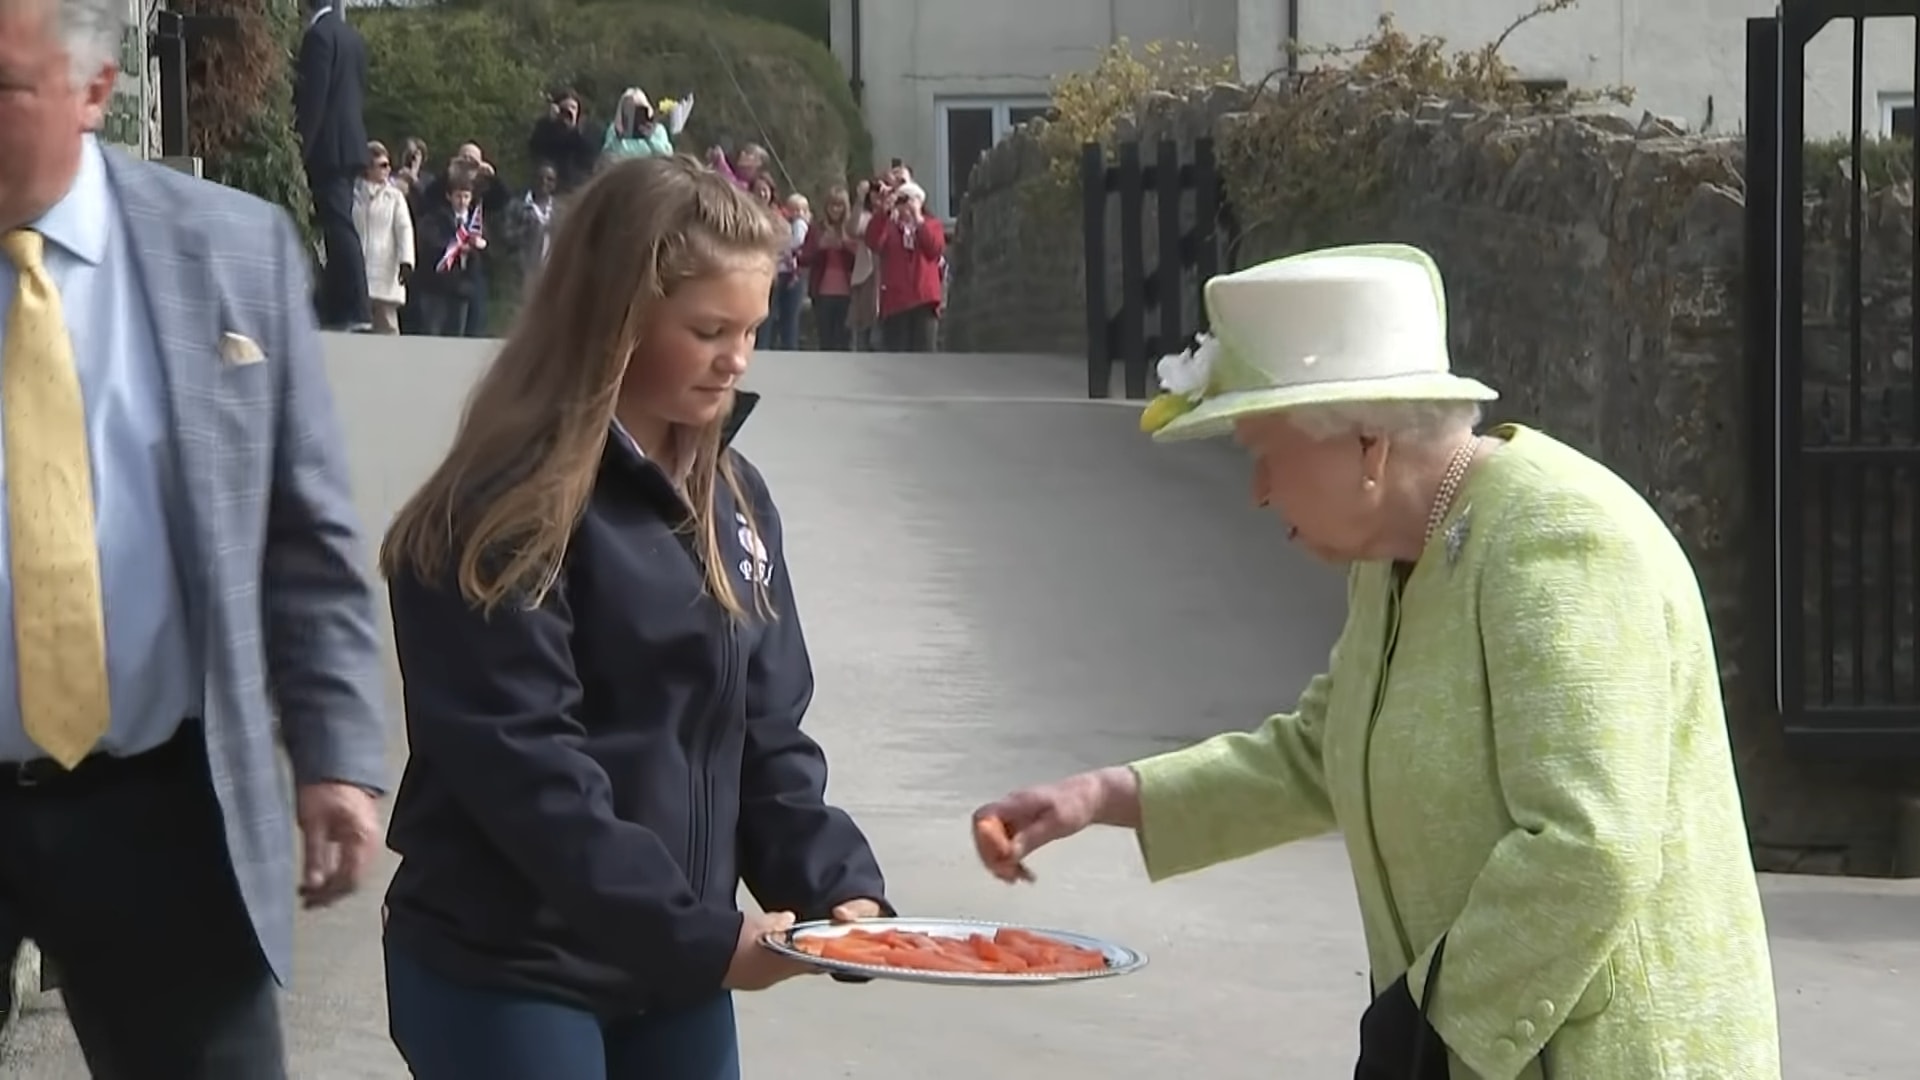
1369	483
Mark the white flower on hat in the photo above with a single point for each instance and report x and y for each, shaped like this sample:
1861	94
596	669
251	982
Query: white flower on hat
1184	378
1188	373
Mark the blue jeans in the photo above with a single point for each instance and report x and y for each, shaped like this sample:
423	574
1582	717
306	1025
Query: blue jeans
450	1031
782	328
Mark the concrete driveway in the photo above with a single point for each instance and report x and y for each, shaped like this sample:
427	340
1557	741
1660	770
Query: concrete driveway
1002	584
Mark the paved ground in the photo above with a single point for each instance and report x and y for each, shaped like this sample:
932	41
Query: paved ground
1002	585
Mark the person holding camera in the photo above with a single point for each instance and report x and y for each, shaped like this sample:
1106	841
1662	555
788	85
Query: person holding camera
908	247
412	176
863	315
640	130
562	140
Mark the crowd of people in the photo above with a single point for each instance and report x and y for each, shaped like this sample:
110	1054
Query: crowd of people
870	266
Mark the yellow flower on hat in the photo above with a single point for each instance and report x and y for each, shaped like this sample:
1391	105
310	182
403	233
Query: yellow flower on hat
1184	377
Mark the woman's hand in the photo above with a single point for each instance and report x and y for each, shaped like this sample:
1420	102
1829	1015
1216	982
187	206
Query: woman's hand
855	910
754	966
1037	816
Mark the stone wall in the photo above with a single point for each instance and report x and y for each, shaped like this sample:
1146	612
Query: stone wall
1594	269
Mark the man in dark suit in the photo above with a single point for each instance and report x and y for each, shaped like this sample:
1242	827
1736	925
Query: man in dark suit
329	94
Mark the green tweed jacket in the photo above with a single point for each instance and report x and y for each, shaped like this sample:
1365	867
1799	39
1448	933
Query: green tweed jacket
1525	750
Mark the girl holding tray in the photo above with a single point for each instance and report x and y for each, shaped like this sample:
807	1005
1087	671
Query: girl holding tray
604	673
1520	733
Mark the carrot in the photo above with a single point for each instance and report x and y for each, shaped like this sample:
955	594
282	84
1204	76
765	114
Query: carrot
995	843
1007	951
995	839
990	951
920	960
855	949
1050	954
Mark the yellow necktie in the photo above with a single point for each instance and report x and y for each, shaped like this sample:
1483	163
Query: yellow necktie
59	630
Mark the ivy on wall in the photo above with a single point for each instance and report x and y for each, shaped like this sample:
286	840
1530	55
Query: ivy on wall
240	102
1308	146
1313	149
1089	106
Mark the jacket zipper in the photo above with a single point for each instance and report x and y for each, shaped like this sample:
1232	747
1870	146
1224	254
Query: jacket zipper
701	824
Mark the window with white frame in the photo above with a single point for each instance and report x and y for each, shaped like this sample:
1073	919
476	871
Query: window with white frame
1896	116
967	129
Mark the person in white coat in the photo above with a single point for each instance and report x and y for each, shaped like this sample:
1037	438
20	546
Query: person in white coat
386	238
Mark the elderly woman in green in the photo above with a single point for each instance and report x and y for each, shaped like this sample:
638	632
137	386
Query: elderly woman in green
1519	733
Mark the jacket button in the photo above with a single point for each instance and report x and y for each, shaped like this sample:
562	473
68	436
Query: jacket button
1504	1046
1523	1030
1544	1011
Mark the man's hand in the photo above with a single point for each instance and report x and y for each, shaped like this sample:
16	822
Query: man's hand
340	831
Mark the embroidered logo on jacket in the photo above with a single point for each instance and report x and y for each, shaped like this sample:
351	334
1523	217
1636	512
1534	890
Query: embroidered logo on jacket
756	568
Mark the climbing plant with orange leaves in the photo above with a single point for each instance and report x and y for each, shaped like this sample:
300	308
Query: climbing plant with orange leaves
240	101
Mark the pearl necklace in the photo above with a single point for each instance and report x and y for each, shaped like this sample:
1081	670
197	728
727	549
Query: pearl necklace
1450	485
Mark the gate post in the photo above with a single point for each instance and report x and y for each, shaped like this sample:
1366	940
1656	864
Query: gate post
1093	209
1763	328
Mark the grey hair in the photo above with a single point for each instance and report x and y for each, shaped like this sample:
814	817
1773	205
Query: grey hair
91	30
1401	421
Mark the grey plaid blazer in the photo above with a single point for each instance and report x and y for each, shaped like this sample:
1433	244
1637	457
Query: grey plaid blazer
277	591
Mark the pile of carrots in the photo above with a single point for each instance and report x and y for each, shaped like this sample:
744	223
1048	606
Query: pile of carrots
1007	952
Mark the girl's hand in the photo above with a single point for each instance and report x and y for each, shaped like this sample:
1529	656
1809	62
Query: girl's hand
756	967
856	910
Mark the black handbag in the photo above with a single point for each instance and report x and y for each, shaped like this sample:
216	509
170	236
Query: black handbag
1396	1041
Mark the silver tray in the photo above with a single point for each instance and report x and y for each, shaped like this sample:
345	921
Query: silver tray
1120	959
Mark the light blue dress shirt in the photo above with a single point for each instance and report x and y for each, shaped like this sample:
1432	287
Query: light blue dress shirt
154	672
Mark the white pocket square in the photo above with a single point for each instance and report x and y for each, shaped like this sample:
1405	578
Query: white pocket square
240	350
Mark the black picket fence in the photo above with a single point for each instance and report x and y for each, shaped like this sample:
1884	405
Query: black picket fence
1174	229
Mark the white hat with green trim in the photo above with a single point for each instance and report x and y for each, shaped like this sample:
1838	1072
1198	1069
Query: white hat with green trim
1365	323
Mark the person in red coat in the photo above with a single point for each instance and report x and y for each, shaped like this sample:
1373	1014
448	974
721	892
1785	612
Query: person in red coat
909	247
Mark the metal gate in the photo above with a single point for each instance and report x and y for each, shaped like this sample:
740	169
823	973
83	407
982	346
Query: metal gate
1833	330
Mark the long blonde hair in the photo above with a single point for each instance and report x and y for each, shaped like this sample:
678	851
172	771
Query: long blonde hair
499	511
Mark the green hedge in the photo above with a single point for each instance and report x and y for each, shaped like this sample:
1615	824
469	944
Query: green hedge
453	74
813	18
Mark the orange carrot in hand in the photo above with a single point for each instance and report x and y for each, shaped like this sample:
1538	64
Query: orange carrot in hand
995	843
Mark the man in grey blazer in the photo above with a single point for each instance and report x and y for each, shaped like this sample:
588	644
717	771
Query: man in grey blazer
182	583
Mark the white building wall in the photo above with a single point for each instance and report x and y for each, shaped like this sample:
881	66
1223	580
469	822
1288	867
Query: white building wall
921	54
1683	58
